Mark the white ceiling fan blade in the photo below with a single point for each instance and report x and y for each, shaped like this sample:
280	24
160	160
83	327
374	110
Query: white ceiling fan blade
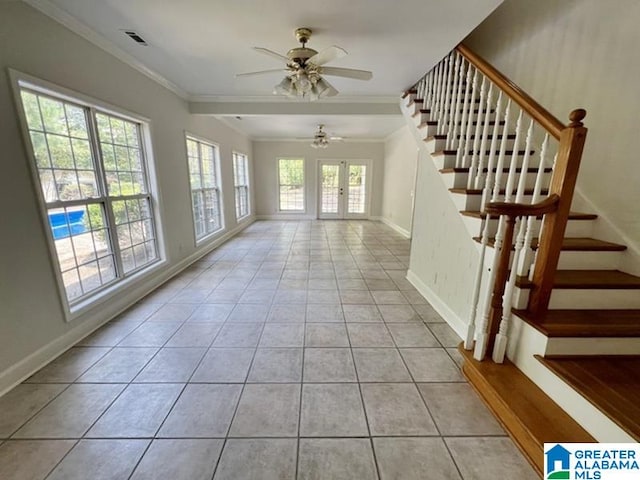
261	72
271	53
347	73
327	55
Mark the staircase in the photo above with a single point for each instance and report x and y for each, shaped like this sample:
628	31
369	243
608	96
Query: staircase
549	297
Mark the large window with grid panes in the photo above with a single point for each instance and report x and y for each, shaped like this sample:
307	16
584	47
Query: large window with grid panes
291	184
91	167
241	184
204	177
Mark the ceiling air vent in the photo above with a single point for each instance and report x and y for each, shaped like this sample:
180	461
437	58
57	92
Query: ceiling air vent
135	37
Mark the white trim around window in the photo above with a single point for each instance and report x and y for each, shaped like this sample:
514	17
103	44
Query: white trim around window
94	179
203	161
241	185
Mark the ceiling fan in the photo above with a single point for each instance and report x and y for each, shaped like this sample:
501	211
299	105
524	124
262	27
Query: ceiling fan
305	68
321	138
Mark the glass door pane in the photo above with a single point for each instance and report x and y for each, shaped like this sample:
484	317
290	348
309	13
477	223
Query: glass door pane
357	189
330	191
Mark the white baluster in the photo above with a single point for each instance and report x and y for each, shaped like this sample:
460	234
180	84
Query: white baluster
522	181
481	175
438	92
473	168
503	153
527	255
469	96
455	103
513	166
500	344
444	107
491	169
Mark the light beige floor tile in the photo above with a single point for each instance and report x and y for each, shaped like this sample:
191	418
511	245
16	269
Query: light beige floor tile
138	411
412	335
396	409
287	314
150	334
211	313
328	365
69	366
431	365
489	458
224	365
120	365
264	459
282	335
110	334
326	335
412	458
380	365
361	313
267	410
31	459
399	313
174	312
100	460
324	313
280	365
22	402
388	297
445	334
356	297
203	410
369	335
332	410
173	459
174	365
249	313
336	459
457	410
193	334
72	413
239	335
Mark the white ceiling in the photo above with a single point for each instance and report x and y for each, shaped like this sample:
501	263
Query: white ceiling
199	45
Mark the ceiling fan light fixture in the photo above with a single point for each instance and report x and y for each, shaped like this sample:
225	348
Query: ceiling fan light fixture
285	87
303	83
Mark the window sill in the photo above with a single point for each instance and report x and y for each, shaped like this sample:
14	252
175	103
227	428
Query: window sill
200	242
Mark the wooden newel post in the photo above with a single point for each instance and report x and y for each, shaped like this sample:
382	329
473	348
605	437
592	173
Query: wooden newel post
563	184
501	279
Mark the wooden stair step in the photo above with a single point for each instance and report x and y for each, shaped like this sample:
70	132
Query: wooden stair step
427	111
584	323
589	280
572	215
610	383
433	123
477	191
486	170
411	91
530	417
488	152
575	244
472	137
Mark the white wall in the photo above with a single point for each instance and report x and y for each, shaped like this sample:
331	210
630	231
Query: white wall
267	153
580	53
400	157
32	324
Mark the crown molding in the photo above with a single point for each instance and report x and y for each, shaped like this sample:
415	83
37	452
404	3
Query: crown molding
377	99
72	23
310	139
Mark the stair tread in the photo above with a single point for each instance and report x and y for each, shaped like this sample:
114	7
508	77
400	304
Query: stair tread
611	384
576	244
530	416
584	323
572	215
589	279
504	170
487	152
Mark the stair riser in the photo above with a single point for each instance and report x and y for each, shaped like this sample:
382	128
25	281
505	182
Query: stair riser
575	228
589	261
472	202
460	179
578	299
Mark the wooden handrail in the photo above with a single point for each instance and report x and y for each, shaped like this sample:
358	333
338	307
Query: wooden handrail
528	104
547	205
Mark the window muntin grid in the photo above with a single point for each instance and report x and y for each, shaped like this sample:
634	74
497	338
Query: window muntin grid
291	184
330	189
357	194
241	184
68	142
203	162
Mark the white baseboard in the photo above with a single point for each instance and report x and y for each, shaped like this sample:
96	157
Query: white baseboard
402	231
454	321
97	317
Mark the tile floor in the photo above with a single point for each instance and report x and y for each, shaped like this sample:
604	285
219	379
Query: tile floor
296	350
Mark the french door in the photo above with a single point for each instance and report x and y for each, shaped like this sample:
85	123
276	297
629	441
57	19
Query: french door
343	188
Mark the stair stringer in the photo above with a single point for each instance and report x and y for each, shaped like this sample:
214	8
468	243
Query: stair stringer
525	343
